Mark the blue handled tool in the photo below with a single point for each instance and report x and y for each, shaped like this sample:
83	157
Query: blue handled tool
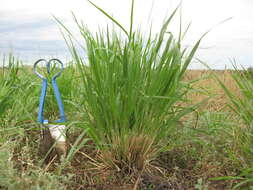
56	132
44	90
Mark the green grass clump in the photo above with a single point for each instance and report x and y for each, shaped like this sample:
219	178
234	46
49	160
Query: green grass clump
8	78
242	104
132	88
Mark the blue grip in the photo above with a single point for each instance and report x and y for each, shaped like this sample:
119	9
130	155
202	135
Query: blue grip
59	101
42	101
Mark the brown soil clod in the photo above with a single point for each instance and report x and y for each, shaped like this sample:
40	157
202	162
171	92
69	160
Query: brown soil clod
45	145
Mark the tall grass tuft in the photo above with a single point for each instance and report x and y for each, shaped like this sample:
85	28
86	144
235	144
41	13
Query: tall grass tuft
132	89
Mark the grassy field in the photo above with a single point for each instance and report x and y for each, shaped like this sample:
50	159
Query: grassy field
136	117
209	142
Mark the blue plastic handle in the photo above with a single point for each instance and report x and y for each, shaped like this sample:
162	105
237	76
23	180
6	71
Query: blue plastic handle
42	100
44	90
59	102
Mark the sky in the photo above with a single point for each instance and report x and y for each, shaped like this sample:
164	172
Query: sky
28	29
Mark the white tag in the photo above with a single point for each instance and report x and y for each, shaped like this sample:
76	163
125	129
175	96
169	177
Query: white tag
58	132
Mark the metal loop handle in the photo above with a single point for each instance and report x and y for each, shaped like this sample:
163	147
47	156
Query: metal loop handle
35	68
59	73
48	64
